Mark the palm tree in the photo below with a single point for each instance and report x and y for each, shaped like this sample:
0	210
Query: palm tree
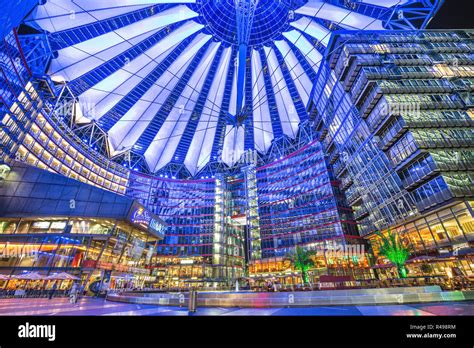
393	248
301	260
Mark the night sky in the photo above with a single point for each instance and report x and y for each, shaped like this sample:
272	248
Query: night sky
454	14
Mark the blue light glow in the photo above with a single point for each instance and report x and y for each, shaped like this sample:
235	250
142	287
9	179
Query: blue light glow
170	82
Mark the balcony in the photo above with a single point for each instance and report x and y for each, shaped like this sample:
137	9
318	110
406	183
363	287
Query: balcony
425	173
353	197
346	182
434	200
370	101
359	85
378	117
339	167
361	213
413	61
364	92
421	86
342	65
350	72
442	139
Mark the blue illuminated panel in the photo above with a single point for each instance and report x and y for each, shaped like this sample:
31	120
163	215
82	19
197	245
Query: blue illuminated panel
299	204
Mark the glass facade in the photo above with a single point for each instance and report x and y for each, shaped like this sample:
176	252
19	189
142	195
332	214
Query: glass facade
30	131
396	111
299	204
192	210
219	225
51	224
383	139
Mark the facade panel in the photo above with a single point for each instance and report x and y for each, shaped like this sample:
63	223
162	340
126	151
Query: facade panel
396	108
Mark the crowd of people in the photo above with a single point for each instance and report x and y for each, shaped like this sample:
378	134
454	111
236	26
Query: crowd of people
54	289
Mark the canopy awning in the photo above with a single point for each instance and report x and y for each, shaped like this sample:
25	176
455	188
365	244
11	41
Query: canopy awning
30	276
61	276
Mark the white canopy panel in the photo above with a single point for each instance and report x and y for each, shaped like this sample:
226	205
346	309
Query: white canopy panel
160	79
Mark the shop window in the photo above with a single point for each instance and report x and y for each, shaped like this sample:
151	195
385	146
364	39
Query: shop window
411	236
452	228
467	222
24	227
7	227
439	233
426	236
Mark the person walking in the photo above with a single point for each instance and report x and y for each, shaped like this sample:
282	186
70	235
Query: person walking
53	289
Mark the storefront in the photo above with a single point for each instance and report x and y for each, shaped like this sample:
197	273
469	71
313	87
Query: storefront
182	273
438	242
117	240
282	271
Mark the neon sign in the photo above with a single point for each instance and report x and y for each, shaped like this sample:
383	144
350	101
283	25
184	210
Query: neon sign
157	227
142	217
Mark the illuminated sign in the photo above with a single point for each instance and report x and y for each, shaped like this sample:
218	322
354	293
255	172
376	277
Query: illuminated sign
157	227
41	224
58	225
142	217
186	262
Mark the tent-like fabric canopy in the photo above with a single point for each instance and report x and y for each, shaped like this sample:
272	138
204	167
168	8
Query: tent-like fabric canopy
160	76
62	276
30	276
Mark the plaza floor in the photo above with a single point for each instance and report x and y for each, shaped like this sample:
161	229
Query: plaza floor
97	306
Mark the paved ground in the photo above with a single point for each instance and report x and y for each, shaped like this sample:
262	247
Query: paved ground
94	306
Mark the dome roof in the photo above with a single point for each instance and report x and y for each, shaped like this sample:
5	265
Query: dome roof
160	77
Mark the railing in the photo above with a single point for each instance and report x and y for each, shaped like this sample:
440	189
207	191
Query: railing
422	175
370	101
360	213
434	200
392	135
31	293
353	196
